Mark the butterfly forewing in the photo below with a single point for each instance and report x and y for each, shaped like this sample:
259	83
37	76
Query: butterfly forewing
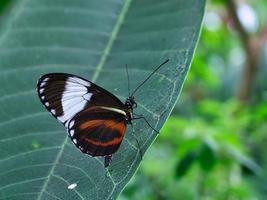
94	117
64	95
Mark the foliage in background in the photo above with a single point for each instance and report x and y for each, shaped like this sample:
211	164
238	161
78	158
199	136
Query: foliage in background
213	146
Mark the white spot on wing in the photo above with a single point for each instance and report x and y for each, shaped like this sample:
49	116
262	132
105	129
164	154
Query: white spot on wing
71	133
80	81
73	93
72	186
47	104
74	87
72	123
73	98
42	84
88	96
53	111
42	97
74	141
41	90
71	108
66	123
46	79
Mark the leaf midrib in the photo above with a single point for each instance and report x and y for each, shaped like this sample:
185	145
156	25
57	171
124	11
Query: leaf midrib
112	38
53	167
98	68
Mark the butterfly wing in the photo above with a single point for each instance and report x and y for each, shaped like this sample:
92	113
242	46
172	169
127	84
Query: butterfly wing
65	95
94	117
97	131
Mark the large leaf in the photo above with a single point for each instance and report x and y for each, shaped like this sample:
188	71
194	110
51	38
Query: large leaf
94	39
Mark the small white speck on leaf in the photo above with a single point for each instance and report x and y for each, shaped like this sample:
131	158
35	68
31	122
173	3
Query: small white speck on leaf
72	186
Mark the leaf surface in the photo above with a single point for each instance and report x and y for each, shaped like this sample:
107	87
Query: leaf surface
93	39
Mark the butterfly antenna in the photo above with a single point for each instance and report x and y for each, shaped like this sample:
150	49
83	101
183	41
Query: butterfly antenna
128	79
150	76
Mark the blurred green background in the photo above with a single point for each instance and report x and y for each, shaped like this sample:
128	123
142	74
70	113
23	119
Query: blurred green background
213	145
215	142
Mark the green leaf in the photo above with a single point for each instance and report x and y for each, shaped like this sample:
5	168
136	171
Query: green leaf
93	39
245	161
185	163
207	157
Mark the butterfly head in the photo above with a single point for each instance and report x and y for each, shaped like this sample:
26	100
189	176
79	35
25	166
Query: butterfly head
130	102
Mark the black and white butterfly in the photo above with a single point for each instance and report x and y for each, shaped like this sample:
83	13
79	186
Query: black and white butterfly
95	119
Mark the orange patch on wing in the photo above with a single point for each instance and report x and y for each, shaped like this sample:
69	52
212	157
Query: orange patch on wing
109	124
91	123
105	144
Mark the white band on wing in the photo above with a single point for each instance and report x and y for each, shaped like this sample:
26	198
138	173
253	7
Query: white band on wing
114	109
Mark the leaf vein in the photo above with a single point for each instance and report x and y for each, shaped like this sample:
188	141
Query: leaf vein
30	115
78	168
30	134
28	152
62	179
22	182
51	171
52	195
21	168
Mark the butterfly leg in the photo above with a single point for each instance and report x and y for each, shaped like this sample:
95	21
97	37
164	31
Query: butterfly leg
138	145
107	160
142	117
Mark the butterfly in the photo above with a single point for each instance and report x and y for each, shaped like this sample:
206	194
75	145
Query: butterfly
95	119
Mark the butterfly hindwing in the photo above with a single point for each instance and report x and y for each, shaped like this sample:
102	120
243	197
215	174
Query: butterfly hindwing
98	131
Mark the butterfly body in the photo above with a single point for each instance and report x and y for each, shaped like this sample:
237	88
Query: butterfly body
95	119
